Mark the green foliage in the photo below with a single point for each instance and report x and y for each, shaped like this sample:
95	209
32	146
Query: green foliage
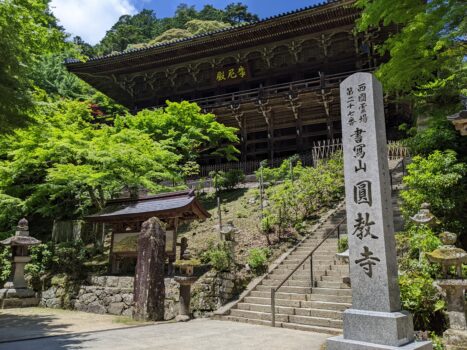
170	35
145	28
5	263
438	179
219	256
440	135
343	244
290	203
27	31
227	180
184	130
420	297
284	172
65	164
197	26
258	259
427	53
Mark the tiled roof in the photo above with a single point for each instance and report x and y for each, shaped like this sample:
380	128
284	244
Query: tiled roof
229	29
176	202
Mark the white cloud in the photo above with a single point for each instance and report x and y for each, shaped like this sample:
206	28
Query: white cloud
90	19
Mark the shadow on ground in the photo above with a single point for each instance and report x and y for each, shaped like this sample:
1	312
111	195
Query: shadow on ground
15	328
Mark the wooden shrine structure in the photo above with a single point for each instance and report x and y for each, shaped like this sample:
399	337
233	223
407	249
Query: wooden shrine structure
276	80
125	217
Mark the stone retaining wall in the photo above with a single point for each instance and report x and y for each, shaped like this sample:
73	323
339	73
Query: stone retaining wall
106	295
114	295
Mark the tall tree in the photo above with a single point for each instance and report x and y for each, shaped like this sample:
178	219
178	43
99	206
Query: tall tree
236	13
184	130
27	31
427	54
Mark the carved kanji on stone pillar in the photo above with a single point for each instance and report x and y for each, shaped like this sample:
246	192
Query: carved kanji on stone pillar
149	292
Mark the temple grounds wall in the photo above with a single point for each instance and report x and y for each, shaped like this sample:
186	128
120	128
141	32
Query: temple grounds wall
114	295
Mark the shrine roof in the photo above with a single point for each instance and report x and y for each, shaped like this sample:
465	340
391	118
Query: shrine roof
319	16
182	204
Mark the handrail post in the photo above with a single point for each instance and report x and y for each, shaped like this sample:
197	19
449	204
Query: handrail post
311	271
273	307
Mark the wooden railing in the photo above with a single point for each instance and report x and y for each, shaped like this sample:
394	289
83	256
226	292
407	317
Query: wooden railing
320	150
321	82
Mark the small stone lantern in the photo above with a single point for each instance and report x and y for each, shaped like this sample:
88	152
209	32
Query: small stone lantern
15	292
454	288
424	216
185	278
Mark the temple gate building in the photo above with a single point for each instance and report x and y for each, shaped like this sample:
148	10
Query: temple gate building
277	79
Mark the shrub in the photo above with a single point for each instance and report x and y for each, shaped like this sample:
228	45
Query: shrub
438	179
5	264
314	188
227	180
343	244
258	259
218	256
421	298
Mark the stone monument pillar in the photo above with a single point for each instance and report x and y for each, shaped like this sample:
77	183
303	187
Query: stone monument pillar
149	289
375	320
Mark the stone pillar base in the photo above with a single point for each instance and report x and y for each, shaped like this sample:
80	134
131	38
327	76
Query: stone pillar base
386	328
339	343
17	297
455	339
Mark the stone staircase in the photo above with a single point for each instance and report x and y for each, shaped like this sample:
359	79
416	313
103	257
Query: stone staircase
299	305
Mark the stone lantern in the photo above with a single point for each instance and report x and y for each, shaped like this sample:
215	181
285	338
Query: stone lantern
454	289
424	216
185	278
15	292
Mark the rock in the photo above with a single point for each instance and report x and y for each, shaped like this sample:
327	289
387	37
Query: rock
149	281
88	298
182	318
127	299
128	312
96	308
116	308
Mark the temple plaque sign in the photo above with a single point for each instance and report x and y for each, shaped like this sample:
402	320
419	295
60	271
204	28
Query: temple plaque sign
375	320
231	74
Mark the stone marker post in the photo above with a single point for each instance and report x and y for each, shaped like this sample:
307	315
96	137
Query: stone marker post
149	289
375	320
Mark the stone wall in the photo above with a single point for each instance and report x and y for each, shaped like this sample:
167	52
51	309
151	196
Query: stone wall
211	291
114	295
105	295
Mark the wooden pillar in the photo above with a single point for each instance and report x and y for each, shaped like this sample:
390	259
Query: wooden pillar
294	105
267	114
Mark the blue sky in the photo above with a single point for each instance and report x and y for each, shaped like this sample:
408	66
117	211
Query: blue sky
90	19
263	8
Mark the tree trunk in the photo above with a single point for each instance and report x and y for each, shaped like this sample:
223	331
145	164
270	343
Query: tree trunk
149	289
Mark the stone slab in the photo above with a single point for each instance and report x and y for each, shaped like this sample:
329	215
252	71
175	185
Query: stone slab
386	328
339	343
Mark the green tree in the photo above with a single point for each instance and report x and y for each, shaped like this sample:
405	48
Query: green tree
64	165
427	53
236	13
171	34
27	31
438	179
184	130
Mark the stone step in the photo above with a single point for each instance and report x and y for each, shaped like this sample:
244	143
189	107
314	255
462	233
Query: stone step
286	289
333	291
332	284
307	328
335	314
315	304
327	330
326	305
267	301
280	295
290	282
329	298
331	276
316	321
